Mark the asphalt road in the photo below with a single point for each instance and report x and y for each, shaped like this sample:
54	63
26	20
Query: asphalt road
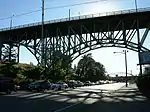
75	100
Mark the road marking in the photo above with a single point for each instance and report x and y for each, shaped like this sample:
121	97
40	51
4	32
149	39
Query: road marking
30	95
39	96
62	109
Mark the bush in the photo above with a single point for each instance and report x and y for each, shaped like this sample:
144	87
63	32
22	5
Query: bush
33	72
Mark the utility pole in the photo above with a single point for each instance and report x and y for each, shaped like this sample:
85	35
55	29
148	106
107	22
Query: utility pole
10	45
69	42
136	5
69	14
138	37
126	65
11	21
42	36
125	52
79	15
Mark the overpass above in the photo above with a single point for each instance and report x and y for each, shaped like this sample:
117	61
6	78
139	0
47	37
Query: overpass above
95	23
74	36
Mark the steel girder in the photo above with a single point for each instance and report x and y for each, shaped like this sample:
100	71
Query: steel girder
80	41
10	52
121	73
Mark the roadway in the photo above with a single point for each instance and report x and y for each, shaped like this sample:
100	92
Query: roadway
71	100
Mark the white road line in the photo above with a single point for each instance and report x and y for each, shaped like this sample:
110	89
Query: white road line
30	95
62	109
38	96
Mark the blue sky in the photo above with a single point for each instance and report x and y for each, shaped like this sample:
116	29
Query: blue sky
113	64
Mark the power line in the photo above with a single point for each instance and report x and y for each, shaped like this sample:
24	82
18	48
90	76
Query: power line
56	7
72	5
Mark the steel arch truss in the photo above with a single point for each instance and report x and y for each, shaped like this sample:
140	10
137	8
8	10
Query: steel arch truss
77	41
80	41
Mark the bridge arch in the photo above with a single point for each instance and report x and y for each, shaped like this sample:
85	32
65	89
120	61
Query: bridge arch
97	45
82	34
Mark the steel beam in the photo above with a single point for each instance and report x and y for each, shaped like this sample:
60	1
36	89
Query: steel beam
1	46
144	36
81	40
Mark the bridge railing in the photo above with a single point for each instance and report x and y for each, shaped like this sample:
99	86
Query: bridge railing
79	18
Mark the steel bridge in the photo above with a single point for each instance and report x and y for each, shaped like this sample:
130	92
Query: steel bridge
121	74
74	36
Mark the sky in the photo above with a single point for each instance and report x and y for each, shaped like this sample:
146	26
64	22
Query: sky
112	62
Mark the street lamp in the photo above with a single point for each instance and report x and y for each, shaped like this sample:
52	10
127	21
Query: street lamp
125	53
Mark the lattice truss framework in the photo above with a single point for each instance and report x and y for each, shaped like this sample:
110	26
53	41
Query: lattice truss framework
76	42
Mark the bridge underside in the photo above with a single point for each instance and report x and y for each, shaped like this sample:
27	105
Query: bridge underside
74	38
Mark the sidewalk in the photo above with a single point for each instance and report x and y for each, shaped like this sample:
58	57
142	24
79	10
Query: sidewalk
126	99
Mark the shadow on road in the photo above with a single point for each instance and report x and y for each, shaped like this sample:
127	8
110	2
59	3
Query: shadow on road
124	100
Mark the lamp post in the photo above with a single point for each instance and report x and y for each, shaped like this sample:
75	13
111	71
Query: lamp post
126	66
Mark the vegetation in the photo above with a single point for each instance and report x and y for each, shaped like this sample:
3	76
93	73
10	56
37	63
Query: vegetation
60	70
21	73
9	69
89	69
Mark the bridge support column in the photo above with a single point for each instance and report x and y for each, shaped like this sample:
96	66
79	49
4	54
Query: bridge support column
10	52
1	45
18	48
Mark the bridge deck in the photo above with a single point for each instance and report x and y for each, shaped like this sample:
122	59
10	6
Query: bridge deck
93	22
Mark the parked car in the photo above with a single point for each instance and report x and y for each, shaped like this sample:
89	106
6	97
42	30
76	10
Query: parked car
97	83
39	85
80	84
16	87
87	83
24	86
6	85
72	84
93	83
59	85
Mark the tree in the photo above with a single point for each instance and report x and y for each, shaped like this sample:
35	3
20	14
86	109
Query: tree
10	69
61	69
89	69
33	72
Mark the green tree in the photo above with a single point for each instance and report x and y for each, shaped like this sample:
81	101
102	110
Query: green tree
33	72
89	69
10	70
61	69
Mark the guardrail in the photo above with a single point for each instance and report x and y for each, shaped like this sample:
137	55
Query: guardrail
79	18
